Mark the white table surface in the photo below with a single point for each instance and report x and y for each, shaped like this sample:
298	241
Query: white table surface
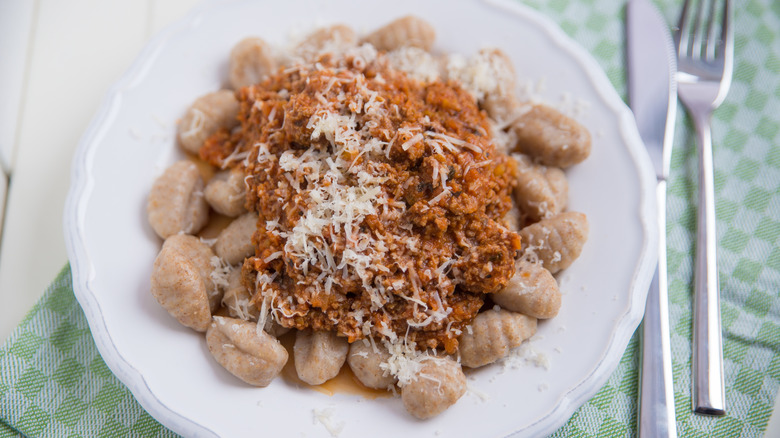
57	60
57	67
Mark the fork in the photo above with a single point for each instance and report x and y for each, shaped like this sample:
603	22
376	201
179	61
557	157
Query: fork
705	60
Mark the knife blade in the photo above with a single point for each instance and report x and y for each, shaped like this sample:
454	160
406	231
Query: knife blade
3	196
652	90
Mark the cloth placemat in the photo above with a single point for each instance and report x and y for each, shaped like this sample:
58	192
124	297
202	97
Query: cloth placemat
54	383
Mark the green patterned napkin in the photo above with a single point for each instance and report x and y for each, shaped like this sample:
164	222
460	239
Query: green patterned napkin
54	383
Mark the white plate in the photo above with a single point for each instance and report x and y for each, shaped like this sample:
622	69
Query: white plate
168	367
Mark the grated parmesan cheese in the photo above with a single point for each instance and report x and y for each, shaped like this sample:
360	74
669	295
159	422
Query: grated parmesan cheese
325	417
197	124
415	62
482	74
220	272
482	395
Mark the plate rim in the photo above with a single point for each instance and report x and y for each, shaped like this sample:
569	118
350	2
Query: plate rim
82	182
642	276
82	268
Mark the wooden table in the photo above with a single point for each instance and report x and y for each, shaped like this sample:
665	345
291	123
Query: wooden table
57	60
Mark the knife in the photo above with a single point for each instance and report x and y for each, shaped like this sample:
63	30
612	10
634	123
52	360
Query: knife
3	195
652	91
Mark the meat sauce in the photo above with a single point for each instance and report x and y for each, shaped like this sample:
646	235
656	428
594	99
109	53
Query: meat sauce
380	201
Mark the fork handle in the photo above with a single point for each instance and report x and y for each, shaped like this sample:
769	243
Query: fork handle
709	395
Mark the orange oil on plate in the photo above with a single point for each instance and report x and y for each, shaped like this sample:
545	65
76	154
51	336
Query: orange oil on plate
344	383
206	170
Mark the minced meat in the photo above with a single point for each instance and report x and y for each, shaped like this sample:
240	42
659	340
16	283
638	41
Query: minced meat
380	201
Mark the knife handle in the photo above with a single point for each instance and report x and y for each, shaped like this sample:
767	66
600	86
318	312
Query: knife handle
656	399
709	395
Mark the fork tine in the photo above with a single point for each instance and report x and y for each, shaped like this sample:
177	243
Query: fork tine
695	49
726	48
683	30
712	41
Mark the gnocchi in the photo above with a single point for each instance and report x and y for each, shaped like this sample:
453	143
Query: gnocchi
551	137
334	39
490	77
439	384
234	243
250	61
500	102
252	355
181	281
226	193
176	203
403	32
532	291
364	360
492	335
541	191
319	356
206	116
556	241
237	299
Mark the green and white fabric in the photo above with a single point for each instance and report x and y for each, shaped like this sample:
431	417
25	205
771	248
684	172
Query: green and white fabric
54	383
